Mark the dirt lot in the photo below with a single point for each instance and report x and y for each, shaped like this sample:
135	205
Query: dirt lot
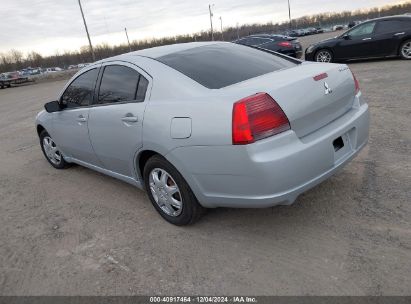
77	232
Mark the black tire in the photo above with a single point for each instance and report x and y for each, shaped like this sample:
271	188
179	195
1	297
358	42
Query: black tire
406	43
325	52
62	164
191	209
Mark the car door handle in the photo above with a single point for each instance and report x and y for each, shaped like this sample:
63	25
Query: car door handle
130	118
399	34
365	39
81	118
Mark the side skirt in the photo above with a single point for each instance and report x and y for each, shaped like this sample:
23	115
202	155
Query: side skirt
371	58
124	178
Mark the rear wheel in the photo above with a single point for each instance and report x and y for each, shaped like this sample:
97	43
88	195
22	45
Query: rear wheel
324	56
169	192
52	152
405	50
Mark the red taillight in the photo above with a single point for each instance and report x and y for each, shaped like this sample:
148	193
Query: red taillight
257	117
321	77
285	44
357	84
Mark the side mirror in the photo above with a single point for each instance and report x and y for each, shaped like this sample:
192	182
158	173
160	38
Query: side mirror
346	37
52	106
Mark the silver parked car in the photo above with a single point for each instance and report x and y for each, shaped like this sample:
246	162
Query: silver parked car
205	125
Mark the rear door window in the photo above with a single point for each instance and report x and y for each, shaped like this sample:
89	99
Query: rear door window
219	65
121	84
141	89
390	26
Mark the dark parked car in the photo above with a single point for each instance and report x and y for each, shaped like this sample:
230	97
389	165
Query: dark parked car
353	23
311	30
338	27
382	37
282	44
295	33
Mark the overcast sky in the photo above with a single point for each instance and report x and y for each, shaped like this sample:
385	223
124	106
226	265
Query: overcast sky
48	26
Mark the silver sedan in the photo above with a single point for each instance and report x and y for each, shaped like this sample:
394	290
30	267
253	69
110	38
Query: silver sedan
205	125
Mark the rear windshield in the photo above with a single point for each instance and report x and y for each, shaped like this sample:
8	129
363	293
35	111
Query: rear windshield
219	65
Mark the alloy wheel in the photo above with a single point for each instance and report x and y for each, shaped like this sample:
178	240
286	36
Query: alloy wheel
51	150
323	56
165	192
406	50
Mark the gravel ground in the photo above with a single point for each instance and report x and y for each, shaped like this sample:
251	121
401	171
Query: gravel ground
77	232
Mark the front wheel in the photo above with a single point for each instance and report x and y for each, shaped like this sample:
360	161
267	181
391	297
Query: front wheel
52	152
324	56
405	50
169	193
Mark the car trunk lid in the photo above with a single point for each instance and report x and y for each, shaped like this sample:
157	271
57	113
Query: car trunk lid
311	94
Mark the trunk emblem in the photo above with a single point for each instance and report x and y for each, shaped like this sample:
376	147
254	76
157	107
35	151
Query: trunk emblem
328	90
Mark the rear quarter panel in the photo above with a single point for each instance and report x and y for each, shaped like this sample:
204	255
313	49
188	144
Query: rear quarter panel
210	123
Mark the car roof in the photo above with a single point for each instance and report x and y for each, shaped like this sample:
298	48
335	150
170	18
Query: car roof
148	61
264	36
161	51
390	17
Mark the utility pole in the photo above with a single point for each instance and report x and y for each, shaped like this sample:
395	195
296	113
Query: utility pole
88	35
211	21
289	13
222	34
238	32
129	46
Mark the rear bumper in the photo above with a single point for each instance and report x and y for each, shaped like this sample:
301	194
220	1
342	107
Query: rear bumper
294	53
274	171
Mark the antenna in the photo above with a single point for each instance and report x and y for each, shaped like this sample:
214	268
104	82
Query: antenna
88	35
129	45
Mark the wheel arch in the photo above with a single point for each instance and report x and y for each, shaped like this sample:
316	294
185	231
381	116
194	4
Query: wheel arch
40	129
141	160
327	48
143	156
408	38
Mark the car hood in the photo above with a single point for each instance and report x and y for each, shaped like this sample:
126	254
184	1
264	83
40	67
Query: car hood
326	41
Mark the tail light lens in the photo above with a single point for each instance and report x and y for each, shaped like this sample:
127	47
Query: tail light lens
285	44
257	117
357	84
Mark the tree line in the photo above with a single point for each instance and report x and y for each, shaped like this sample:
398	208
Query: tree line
16	60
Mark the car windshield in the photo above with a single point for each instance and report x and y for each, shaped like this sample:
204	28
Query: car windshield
219	65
